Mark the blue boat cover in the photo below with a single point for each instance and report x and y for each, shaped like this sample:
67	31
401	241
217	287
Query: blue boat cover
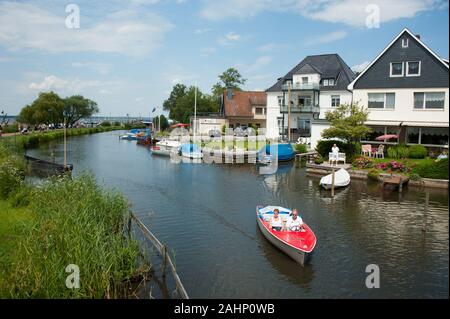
285	151
190	148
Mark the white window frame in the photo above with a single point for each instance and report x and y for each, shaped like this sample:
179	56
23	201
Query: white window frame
405	40
424	104
333	97
407	68
384	108
397	75
280	100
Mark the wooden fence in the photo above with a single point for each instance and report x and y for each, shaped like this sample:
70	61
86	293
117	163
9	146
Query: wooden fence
162	249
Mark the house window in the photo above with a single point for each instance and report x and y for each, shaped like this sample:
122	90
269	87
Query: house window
280	101
429	100
405	42
335	100
304	127
305	80
328	82
381	101
436	136
259	111
304	101
413	68
396	69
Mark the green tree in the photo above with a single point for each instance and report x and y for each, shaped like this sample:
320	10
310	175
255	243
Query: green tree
162	122
347	123
47	109
77	107
181	103
231	78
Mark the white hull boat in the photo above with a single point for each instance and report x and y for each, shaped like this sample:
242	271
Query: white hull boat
341	179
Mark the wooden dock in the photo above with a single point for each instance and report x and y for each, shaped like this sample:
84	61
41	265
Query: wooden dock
396	182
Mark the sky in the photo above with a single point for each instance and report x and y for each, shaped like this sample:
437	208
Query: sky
127	54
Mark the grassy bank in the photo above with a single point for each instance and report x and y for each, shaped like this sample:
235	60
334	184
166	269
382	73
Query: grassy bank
65	221
21	142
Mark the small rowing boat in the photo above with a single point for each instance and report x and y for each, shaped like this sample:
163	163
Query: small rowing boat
296	244
341	179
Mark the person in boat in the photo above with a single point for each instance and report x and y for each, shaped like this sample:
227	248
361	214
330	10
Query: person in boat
295	222
275	222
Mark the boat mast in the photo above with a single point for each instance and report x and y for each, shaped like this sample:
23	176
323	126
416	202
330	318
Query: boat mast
195	110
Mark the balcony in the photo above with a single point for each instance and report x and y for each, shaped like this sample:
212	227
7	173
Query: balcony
302	87
301	109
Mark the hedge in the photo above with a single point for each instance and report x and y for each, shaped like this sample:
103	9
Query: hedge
432	169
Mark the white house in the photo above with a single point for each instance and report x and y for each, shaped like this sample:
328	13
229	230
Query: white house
406	90
316	85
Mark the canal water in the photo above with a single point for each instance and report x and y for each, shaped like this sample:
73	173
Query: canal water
206	215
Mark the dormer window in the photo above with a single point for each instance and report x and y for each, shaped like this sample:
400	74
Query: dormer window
396	69
405	42
328	82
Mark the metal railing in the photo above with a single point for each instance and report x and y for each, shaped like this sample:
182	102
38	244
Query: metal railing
301	86
301	109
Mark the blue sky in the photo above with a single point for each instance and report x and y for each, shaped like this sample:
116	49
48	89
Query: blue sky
128	54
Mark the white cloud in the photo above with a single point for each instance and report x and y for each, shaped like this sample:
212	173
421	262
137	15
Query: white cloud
350	12
49	83
205	52
26	26
202	31
74	85
102	68
326	38
360	67
229	38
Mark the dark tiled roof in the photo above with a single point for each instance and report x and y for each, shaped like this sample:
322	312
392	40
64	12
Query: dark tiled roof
328	65
242	102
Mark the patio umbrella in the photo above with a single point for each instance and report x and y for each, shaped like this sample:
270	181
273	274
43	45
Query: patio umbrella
179	125
386	137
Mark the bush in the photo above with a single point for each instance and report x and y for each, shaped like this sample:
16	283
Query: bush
395	166
301	148
324	147
12	172
106	123
398	152
432	169
417	151
414	177
10	129
373	175
117	123
318	160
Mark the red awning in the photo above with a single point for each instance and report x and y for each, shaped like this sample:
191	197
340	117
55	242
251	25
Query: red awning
386	137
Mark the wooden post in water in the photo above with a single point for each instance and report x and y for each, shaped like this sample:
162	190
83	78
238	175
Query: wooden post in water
332	182
164	262
427	201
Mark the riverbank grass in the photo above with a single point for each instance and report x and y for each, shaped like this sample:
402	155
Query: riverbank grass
67	222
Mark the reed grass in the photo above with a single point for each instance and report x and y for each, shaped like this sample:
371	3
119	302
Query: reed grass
74	222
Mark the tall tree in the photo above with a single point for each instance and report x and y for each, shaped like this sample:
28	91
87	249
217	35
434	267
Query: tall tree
347	123
77	107
181	103
47	108
231	78
161	122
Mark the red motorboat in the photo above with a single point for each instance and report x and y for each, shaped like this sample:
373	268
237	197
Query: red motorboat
296	244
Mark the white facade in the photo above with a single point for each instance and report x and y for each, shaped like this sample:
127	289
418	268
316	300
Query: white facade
274	122
404	110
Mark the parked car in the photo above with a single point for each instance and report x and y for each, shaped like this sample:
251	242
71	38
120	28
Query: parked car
214	133
244	131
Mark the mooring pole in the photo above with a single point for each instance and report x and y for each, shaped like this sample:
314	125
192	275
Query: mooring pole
332	182
427	201
65	144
